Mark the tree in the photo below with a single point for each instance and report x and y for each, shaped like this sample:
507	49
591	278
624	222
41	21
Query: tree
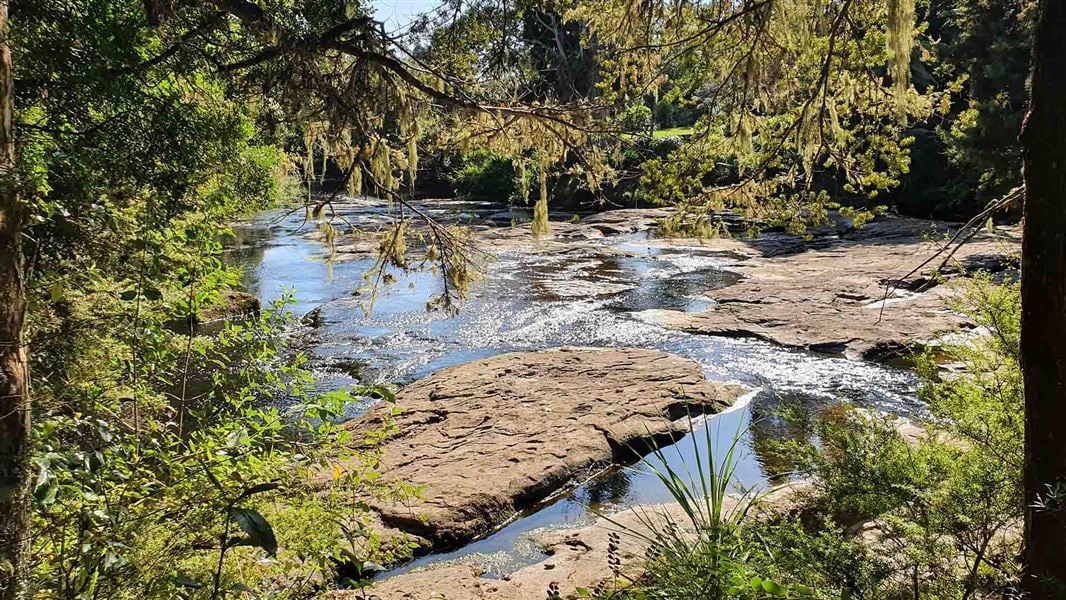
1043	339
15	475
565	64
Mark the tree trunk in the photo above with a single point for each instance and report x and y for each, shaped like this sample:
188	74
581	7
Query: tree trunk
1044	309
15	472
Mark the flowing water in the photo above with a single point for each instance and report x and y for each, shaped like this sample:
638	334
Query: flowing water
590	294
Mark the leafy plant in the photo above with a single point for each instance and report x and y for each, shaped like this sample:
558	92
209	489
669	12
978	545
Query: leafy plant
486	174
700	546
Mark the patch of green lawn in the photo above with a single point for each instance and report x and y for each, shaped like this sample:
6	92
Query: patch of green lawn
672	132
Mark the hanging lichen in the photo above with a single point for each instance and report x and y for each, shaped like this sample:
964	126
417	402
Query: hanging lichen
523	181
743	134
835	130
315	133
309	145
355	182
540	209
899	39
412	158
809	140
322	174
393	246
329	235
381	167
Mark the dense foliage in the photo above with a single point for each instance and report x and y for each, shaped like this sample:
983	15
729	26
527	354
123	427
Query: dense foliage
171	460
913	105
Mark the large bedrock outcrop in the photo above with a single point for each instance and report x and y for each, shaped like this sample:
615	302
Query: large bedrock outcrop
491	437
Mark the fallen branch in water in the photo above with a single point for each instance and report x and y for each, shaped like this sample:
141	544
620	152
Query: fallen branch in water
963	235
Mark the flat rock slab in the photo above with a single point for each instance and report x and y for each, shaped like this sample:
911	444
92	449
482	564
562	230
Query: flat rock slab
826	294
489	438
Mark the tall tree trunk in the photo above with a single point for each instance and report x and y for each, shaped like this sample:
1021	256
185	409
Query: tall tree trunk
15	472
1044	309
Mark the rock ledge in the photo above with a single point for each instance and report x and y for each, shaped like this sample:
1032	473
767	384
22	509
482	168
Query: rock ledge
489	438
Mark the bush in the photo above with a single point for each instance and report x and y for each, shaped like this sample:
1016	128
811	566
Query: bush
941	511
169	462
485	174
709	550
670	113
636	119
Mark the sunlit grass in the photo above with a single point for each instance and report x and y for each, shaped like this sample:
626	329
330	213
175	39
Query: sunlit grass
672	132
662	133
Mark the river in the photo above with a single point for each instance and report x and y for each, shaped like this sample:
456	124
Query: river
588	294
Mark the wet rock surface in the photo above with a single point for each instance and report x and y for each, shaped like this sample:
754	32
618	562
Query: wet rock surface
231	305
829	294
489	438
494	235
581	557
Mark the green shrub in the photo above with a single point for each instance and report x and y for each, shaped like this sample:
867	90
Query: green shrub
931	514
707	550
942	509
174	465
485	174
636	119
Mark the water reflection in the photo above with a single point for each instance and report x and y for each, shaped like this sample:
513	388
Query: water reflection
778	418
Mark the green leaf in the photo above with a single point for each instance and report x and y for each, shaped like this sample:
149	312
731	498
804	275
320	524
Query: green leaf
772	588
258	529
45	493
211	477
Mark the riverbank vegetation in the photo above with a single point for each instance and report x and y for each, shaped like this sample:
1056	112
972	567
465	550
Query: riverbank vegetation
154	458
893	509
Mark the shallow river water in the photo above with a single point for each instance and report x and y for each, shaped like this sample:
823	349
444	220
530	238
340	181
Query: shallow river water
591	295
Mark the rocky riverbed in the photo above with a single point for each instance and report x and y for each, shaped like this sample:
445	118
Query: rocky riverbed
577	558
844	290
503	427
851	292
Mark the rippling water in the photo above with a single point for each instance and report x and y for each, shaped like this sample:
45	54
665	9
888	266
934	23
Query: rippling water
590	294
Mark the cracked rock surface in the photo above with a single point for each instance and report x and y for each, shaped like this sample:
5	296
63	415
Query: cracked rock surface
826	294
491	437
